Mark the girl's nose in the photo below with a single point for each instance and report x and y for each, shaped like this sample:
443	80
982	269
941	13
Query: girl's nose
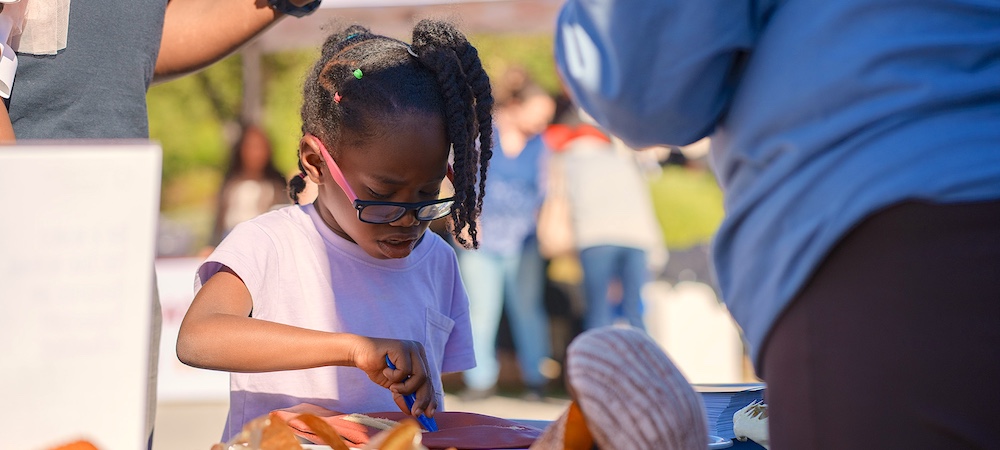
407	220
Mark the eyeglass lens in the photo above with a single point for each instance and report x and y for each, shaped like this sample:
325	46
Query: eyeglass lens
392	213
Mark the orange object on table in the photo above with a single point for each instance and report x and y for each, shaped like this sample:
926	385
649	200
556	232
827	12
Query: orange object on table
460	430
78	445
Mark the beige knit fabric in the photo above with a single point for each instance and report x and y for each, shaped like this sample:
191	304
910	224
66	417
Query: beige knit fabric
631	394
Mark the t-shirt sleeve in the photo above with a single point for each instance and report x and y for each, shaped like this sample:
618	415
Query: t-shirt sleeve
247	251
458	352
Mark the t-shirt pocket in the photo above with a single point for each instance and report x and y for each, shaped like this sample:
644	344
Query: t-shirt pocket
437	332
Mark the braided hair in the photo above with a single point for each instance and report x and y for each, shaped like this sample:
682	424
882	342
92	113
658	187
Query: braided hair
440	73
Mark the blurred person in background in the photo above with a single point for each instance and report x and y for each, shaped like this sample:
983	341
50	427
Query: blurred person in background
252	184
856	143
618	237
506	273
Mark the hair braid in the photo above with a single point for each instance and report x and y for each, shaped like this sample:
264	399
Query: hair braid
480	84
459	121
297	184
441	48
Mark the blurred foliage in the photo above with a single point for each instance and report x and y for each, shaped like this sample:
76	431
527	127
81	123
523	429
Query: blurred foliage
188	123
688	204
195	119
284	76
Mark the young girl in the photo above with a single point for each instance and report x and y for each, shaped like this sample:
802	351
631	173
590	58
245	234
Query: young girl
296	301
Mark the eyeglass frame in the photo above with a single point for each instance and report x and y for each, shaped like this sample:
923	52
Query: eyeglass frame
360	205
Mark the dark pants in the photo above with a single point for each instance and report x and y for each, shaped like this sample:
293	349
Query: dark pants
895	341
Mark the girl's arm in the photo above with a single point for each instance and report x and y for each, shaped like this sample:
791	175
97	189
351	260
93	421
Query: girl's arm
218	333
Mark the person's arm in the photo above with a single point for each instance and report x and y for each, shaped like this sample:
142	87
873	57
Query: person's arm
218	333
6	129
197	33
655	71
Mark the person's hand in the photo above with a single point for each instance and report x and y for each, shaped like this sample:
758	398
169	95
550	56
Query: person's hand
410	376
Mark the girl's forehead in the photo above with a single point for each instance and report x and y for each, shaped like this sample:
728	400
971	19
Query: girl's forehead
412	140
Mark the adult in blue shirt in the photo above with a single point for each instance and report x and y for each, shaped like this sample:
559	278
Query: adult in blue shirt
858	146
507	273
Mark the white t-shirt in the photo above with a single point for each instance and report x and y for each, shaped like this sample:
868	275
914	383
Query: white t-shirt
618	210
300	273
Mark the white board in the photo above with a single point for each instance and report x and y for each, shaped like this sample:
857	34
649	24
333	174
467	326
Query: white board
77	244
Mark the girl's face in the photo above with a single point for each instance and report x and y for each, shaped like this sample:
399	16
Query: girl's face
406	162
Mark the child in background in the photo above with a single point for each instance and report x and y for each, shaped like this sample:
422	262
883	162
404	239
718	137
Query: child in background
296	301
252	184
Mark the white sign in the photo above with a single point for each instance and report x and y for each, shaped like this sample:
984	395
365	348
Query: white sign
77	238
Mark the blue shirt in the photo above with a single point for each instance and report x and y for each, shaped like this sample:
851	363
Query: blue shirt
513	195
820	112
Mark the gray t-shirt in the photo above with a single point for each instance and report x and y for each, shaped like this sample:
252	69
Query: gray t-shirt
96	86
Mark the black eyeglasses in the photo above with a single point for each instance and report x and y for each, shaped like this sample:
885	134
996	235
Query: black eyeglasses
378	212
386	212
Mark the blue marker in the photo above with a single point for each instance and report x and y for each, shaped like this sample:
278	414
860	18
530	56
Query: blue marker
428	423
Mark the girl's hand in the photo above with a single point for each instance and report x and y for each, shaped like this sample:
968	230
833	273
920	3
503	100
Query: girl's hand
410	376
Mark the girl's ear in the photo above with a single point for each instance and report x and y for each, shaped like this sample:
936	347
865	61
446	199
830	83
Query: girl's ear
312	160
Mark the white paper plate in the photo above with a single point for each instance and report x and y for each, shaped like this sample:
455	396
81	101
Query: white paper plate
719	442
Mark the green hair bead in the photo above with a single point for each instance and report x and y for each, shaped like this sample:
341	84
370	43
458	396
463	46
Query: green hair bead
358	74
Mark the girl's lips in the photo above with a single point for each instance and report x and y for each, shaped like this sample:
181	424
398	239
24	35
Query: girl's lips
397	247
399	239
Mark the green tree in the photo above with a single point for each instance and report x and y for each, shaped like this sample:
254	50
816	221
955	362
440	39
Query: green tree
688	204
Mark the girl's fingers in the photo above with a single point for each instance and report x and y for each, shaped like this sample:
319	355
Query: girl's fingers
411	368
418	383
410	376
401	403
429	403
